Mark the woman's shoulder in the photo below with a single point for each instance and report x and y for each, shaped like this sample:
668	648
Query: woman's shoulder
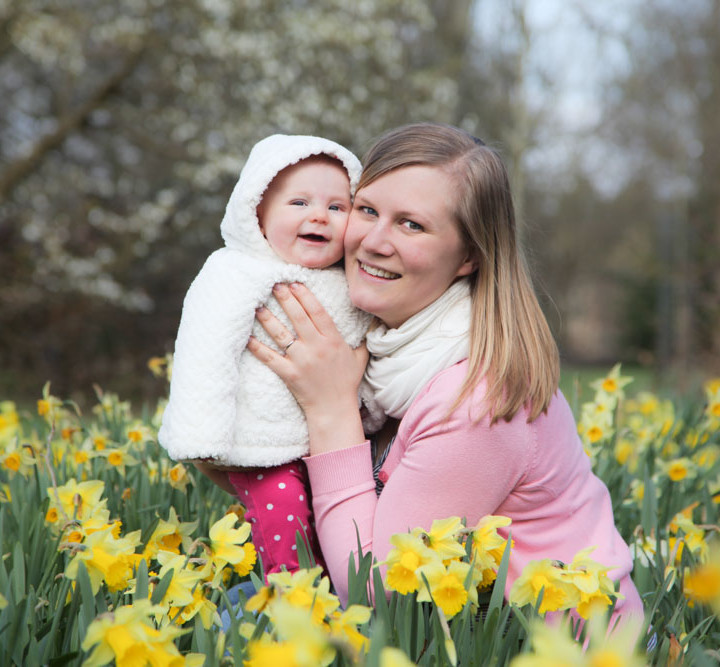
442	391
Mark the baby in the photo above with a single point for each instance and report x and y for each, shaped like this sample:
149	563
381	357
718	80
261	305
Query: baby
227	412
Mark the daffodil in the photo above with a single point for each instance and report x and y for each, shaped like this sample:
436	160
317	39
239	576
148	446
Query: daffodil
488	547
48	406
446	586
612	384
444	537
179	478
394	657
593	583
128	637
9	421
137	433
184	579
552	646
200	606
344	626
547	576
226	544
702	583
18	459
680	469
170	535
119	458
408	554
161	366
292	624
106	558
77	501
300	590
265	652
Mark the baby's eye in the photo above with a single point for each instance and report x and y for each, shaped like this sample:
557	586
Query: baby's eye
336	207
412	226
298	202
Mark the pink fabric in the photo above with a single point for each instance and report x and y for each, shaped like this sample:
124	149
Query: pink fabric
277	505
537	474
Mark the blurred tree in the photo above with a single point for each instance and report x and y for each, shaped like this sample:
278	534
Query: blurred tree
661	115
123	128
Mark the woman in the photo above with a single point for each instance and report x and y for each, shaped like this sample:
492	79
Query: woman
478	426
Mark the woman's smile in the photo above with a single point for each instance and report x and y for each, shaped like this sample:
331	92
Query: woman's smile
377	272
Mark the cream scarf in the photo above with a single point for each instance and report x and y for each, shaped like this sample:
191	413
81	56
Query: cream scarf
403	360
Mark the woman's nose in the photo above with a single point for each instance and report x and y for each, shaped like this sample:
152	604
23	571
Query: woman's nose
377	240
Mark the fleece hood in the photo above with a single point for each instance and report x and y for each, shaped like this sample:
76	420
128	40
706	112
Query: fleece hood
240	228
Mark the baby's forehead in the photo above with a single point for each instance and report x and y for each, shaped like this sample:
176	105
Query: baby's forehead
308	169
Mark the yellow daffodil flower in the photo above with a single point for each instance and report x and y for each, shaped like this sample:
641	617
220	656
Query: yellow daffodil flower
488	547
170	535
408	554
446	586
444	537
544	575
106	558
344	626
300	590
226	545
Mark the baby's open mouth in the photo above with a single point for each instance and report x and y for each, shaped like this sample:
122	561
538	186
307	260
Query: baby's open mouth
315	238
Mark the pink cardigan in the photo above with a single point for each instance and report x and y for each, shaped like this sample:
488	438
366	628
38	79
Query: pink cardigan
537	474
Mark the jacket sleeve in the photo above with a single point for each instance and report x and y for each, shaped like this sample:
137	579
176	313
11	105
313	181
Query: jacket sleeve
436	469
216	321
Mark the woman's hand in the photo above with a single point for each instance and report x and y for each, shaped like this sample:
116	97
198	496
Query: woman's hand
320	369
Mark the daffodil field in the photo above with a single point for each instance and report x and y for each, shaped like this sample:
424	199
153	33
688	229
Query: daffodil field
113	553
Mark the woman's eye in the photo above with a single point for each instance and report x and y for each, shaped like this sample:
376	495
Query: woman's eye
368	210
412	226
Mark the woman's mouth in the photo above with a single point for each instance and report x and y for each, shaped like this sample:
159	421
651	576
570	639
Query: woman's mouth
378	273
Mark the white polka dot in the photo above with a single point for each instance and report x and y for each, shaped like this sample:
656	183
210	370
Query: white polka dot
269	506
281	485
290	517
301	497
293	547
262	549
254	520
247	493
260	476
277	538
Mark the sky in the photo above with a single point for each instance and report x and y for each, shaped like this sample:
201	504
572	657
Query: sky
567	64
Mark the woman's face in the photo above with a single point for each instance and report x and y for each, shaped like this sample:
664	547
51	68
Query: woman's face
402	245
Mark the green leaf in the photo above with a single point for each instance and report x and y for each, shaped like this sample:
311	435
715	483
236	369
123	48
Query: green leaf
87	608
142	585
648	513
161	588
17	574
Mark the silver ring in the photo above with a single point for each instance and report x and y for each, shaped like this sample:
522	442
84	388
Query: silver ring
285	349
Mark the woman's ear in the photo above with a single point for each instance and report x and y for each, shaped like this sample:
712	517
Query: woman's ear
469	266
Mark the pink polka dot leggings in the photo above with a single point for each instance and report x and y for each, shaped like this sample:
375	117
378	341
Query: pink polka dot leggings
277	505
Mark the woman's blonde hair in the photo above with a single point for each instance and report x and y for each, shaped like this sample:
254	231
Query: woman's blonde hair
510	341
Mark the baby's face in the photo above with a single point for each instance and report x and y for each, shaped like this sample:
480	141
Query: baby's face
304	212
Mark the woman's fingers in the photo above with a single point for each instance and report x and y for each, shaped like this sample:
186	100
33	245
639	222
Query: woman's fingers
282	336
304	310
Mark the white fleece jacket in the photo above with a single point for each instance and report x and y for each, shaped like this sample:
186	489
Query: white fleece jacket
224	404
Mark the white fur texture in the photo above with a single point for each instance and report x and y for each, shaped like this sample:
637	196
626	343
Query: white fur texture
224	404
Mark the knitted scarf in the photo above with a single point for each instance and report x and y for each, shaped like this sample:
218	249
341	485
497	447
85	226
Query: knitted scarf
403	360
